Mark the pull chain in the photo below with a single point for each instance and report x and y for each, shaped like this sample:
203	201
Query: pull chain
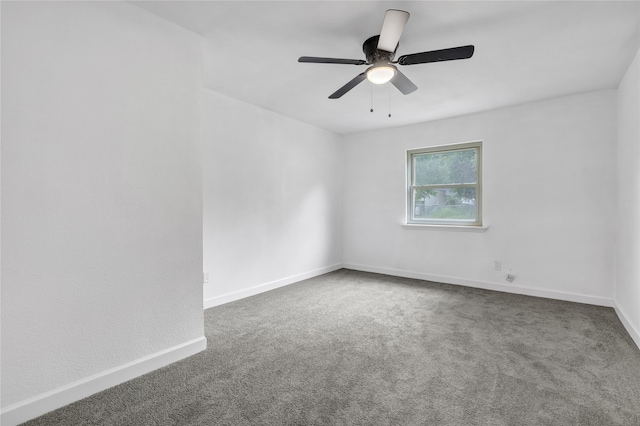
371	87
389	92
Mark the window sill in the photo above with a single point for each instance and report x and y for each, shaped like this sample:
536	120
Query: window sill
460	228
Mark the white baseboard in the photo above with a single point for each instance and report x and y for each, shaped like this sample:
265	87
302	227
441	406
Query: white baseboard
261	288
527	291
628	325
48	401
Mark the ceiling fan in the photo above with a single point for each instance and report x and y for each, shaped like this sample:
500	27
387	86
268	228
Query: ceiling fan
379	51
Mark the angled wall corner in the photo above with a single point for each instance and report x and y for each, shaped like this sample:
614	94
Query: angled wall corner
272	199
627	288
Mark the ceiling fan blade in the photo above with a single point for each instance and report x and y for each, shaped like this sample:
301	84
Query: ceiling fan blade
392	27
462	52
350	85
315	60
403	84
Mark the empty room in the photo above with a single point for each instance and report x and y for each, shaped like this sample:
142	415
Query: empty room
320	213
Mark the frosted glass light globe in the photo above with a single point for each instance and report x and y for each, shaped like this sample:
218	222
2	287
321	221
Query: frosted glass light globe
381	74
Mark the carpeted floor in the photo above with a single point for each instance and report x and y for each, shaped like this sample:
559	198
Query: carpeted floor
354	348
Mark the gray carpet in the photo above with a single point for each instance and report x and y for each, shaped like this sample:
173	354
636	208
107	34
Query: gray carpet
353	348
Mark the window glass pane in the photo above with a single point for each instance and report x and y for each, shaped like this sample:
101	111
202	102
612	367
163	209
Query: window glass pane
440	168
444	203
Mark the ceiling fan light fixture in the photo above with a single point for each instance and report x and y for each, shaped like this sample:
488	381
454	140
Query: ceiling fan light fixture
381	74
380	51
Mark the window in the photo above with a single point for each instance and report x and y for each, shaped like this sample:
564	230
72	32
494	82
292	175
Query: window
444	185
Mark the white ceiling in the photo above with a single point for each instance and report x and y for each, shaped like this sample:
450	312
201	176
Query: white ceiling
525	51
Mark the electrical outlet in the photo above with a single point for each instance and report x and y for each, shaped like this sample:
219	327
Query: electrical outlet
205	277
497	265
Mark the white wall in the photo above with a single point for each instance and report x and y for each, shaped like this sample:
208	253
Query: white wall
549	201
272	199
627	291
101	198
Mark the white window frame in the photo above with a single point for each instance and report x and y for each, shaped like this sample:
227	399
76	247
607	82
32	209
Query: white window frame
410	220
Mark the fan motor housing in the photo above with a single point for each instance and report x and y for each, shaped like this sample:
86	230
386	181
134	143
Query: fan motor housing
373	55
